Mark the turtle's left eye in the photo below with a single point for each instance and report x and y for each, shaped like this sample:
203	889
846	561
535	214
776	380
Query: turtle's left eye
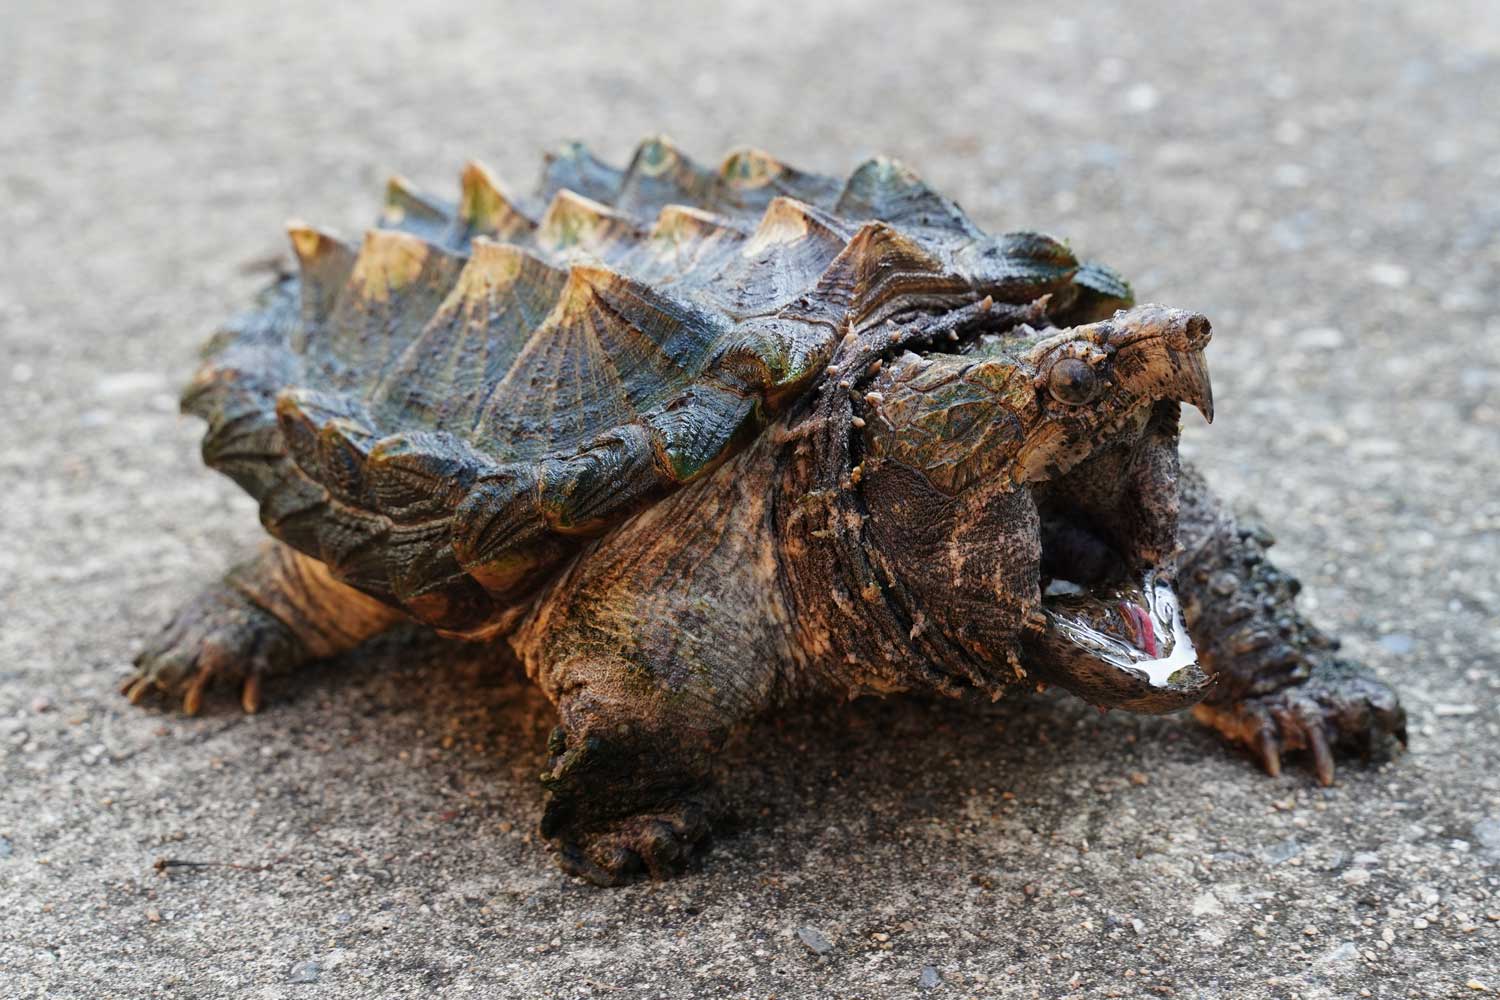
1072	381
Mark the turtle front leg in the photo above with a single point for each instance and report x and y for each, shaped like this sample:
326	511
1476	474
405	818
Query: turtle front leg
1280	685
661	640
266	616
647	693
626	794
650	680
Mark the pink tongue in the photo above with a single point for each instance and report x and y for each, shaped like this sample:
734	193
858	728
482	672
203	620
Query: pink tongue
1140	622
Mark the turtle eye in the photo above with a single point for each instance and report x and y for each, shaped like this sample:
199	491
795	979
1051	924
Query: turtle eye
1072	381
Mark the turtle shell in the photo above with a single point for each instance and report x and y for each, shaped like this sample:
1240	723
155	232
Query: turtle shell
444	413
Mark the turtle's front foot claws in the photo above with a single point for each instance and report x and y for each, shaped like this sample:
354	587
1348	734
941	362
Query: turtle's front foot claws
658	845
610	826
219	636
1336	708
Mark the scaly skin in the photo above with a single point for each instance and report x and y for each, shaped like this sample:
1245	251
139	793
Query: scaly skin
1281	686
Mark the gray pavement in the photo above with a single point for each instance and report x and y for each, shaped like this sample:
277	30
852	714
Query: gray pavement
1323	180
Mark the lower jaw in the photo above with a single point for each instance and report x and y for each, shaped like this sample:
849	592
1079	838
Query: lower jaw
1123	645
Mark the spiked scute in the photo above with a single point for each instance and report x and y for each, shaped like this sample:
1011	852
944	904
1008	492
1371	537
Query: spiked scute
485	209
442	415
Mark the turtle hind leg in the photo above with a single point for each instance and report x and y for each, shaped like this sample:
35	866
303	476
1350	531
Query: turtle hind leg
1280	685
266	616
657	845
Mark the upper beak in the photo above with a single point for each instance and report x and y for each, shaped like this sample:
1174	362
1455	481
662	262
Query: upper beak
1193	385
1159	353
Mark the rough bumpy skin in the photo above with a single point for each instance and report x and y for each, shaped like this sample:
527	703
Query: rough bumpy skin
692	443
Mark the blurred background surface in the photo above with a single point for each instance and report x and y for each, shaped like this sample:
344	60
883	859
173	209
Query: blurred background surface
1322	180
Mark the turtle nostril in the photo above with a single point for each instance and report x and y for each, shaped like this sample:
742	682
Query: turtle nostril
1199	330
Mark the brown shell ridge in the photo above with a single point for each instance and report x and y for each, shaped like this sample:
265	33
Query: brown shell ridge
346	494
682	240
791	246
576	226
411	211
886	189
660	174
749	179
573	167
324	263
397	283
486	208
611	347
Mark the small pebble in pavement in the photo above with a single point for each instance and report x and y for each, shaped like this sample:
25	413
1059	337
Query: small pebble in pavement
1397	644
815	940
304	972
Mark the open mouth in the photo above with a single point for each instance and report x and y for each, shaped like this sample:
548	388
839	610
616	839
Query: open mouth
1112	634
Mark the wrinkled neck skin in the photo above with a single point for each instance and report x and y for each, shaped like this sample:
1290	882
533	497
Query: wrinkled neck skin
859	602
871	616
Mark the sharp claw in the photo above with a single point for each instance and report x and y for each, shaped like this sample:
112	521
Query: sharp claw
1270	752
1317	740
622	864
250	695
575	862
128	683
138	689
1399	729
192	698
658	850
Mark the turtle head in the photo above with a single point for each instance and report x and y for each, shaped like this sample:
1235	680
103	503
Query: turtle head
1025	493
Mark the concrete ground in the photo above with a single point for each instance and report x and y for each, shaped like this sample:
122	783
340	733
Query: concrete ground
1323	180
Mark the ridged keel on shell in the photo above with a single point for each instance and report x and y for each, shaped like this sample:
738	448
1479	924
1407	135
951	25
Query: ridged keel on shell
443	415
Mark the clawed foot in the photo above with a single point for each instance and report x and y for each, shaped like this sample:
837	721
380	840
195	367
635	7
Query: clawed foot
220	636
593	815
1338	707
659	845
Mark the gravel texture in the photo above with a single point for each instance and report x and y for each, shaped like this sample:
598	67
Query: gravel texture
1321	179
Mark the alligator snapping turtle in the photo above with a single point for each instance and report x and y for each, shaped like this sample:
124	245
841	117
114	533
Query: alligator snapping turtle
691	443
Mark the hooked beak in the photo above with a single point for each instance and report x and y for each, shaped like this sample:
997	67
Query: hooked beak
1194	387
1159	353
